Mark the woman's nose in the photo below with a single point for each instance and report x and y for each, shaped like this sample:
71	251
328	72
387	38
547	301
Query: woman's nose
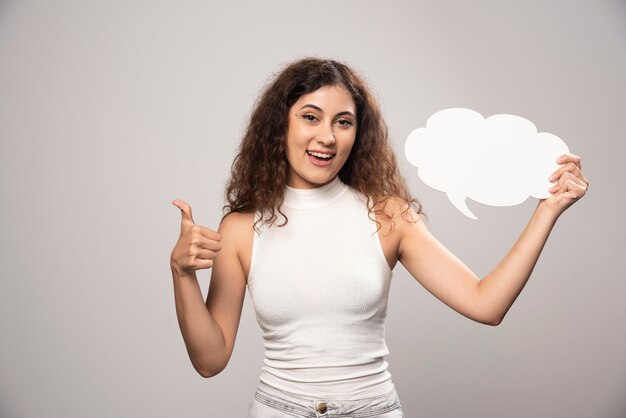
326	136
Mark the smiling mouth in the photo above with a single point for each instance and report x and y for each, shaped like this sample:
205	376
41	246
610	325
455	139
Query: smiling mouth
320	155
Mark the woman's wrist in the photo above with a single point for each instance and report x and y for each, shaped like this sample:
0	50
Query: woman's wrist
545	213
179	274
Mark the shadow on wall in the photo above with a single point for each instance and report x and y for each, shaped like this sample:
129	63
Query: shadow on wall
5	408
7	8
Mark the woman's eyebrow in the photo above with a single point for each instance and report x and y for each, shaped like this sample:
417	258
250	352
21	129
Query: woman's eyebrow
312	106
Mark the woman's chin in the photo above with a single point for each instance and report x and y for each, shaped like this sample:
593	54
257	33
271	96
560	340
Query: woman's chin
310	182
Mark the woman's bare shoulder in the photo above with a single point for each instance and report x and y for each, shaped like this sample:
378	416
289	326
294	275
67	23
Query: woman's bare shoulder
395	208
238	228
238	220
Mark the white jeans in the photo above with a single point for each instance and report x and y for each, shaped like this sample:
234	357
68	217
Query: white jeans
272	403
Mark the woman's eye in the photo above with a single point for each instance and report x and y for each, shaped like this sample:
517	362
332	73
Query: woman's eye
309	117
345	122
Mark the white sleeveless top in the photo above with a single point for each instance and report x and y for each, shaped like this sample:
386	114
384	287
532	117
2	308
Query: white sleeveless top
319	286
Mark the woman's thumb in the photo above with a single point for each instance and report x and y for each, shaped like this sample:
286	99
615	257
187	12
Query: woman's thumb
185	210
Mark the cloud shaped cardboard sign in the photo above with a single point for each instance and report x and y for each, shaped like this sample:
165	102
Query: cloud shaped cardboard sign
498	161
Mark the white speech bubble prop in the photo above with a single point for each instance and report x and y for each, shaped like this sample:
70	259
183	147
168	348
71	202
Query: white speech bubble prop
498	161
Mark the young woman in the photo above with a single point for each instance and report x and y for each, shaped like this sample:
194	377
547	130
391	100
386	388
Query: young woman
317	217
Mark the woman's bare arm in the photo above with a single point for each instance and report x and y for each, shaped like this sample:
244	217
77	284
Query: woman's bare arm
487	301
208	329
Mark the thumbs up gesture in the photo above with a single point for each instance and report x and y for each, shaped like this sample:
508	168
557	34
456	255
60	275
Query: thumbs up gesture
197	245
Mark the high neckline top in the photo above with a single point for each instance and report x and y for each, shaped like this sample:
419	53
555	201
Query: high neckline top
319	285
314	198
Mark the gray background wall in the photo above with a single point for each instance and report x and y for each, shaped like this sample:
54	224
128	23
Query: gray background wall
109	110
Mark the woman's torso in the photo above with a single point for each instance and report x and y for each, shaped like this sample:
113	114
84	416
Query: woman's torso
319	285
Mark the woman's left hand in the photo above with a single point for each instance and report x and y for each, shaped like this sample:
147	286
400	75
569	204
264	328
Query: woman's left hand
571	185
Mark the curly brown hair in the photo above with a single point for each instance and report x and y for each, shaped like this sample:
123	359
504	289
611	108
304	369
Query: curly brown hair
259	170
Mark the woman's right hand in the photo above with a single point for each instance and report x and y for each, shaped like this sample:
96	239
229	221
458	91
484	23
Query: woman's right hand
197	245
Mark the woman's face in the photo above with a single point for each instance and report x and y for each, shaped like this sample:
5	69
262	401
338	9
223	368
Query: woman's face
322	124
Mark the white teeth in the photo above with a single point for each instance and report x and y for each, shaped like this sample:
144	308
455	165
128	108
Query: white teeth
319	154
